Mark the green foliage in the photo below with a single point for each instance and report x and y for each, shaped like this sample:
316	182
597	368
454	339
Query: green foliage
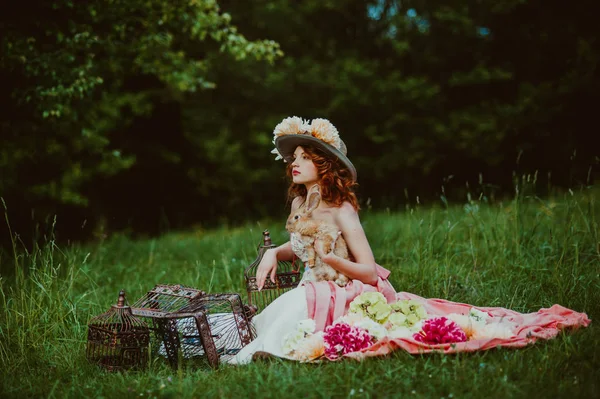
107	107
524	254
421	91
66	68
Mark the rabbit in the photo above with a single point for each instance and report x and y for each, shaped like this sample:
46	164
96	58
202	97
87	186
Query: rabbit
300	222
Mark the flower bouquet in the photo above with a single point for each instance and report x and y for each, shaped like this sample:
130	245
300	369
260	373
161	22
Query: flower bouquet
370	319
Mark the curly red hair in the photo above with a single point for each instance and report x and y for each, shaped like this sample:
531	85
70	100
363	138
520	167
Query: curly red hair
335	180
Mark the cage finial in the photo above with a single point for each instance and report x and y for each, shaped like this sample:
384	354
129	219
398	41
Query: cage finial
266	238
121	300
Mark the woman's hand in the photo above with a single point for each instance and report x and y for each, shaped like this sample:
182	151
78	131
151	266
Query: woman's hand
267	265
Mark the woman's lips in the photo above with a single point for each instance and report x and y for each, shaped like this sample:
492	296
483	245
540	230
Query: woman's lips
295	172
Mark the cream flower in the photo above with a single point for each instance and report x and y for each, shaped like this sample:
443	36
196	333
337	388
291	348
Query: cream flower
291	125
310	348
350	318
291	341
375	329
478	315
493	330
307	326
477	325
324	130
319	128
401	332
294	340
468	324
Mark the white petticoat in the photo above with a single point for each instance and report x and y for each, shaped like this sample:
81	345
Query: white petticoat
274	322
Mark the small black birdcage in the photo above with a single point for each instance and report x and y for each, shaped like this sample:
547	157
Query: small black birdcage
287	277
117	340
192	325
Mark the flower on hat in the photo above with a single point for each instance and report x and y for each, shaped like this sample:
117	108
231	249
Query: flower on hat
324	130
275	152
291	125
319	128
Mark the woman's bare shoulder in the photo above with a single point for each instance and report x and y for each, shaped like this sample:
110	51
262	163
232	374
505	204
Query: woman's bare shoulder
346	212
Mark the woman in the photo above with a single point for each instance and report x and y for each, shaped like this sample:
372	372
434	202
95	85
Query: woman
317	161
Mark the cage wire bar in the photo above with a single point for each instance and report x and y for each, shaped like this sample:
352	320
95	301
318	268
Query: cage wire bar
287	277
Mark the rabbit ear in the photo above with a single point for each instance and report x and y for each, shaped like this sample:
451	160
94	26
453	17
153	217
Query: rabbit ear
314	198
315	189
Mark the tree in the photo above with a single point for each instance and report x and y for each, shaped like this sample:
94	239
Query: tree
425	89
74	76
421	90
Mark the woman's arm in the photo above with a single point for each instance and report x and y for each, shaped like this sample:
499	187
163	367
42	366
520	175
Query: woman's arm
364	268
268	264
284	251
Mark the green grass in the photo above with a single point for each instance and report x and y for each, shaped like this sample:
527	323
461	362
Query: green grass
524	254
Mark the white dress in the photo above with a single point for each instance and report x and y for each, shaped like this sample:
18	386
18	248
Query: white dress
280	317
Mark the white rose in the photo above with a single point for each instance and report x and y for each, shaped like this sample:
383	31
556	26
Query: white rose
400	332
375	329
478	315
306	326
493	330
290	341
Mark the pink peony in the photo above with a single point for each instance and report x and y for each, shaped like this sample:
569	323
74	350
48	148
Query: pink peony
342	338
440	330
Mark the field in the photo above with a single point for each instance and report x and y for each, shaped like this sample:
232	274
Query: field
525	253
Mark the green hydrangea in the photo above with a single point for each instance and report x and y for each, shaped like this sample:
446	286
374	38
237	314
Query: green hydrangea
406	313
397	318
372	305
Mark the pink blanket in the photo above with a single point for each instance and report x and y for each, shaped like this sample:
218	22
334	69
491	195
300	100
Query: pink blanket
326	302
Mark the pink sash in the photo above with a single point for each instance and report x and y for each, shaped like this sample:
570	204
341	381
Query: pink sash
327	301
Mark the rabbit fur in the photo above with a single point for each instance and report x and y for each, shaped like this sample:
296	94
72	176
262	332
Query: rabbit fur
309	230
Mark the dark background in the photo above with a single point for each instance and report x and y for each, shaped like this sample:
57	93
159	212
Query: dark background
147	116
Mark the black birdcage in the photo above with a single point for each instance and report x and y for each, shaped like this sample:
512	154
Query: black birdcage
190	324
288	276
117	340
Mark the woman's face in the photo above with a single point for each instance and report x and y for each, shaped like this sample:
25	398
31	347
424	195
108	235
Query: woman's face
304	170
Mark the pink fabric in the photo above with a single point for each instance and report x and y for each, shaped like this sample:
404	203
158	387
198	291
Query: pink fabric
327	301
527	327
